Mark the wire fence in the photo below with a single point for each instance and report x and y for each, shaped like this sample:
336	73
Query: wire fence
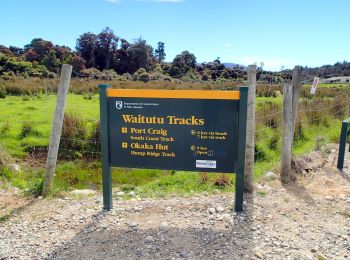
25	124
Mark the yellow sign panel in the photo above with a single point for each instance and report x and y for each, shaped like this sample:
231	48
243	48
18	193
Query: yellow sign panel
184	94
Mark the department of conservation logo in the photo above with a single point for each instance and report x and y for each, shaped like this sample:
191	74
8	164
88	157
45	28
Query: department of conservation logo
119	104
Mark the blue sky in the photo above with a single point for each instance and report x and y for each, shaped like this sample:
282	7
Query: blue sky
276	32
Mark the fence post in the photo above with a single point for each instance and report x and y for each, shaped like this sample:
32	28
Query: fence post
56	128
249	159
296	84
287	137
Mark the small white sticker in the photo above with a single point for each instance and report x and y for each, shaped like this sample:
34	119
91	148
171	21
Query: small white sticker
314	86
206	164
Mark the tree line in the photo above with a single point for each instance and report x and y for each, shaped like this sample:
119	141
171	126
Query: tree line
108	56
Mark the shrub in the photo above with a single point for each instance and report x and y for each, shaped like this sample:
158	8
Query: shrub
223	180
273	142
87	96
35	187
139	72
272	121
25	98
8	75
167	78
14	90
127	76
259	153
5	127
109	75
145	77
299	133
2	91
92	73
204	177
340	106
206	77
317	111
73	135
28	129
5	159
51	75
94	141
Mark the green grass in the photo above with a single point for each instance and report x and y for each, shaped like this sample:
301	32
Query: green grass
145	182
327	134
37	113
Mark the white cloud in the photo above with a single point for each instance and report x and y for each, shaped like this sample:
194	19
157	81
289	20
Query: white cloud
112	1
228	45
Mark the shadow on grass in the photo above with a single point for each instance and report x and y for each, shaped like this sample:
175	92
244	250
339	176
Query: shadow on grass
195	241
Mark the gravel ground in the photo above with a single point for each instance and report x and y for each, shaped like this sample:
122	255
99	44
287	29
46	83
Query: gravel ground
309	219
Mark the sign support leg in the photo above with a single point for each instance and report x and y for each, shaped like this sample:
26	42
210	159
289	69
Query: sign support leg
342	145
106	168
242	125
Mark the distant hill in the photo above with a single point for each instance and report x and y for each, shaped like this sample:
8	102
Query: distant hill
231	65
228	65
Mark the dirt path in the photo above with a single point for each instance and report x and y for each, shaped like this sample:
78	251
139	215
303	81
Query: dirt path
309	219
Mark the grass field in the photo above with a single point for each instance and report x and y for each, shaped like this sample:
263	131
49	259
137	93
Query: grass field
25	123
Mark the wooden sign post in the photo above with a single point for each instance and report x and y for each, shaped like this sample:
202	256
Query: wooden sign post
187	130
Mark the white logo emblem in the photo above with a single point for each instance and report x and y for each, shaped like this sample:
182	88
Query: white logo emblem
119	104
206	164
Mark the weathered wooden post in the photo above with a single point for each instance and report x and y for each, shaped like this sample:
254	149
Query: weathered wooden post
56	128
287	137
249	159
296	85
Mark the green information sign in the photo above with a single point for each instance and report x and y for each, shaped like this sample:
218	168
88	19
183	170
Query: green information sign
188	130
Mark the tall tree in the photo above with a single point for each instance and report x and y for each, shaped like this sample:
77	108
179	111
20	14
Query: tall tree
182	63
40	47
78	63
160	52
86	45
62	52
140	55
16	50
51	62
6	51
106	48
122	63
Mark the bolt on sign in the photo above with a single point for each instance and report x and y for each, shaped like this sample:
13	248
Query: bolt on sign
184	130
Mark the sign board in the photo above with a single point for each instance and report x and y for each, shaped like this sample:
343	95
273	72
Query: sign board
314	86
188	130
187	134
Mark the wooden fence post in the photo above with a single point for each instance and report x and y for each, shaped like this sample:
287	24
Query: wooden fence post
287	137
249	159
56	128
296	85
